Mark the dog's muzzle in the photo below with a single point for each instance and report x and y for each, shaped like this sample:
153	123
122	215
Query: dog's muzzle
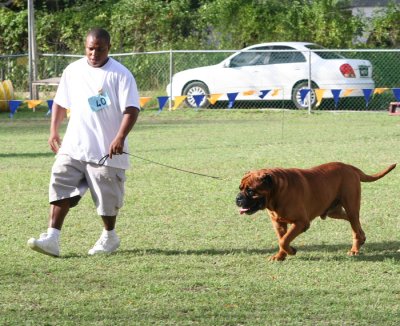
249	205
240	200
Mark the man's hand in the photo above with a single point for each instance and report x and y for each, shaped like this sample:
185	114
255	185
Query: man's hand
116	147
54	142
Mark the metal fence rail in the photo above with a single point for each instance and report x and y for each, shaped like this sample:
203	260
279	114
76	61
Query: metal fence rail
153	72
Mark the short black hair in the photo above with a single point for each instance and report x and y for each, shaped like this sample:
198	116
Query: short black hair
100	33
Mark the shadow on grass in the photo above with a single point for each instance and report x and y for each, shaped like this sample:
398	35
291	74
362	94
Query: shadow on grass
374	252
194	252
189	252
26	155
370	252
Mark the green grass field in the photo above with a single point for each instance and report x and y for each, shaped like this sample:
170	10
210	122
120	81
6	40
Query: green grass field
187	257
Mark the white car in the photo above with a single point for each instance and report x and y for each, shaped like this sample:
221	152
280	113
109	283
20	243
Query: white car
284	67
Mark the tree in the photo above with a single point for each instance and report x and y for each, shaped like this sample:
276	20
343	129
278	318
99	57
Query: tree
13	31
144	25
241	22
386	28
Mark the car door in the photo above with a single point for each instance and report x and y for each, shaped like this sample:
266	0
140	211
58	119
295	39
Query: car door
242	72
284	68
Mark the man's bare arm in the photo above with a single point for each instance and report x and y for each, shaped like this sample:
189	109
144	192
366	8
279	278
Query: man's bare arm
128	121
58	114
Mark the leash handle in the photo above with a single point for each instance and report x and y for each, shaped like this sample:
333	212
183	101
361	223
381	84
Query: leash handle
103	160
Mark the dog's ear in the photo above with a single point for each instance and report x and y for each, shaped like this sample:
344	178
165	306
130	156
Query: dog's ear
267	180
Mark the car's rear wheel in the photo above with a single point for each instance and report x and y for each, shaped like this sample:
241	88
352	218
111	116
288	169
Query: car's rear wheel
296	95
196	88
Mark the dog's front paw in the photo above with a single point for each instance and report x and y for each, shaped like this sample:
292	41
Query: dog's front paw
278	257
353	253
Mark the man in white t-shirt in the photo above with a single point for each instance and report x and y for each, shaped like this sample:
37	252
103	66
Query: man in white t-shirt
103	100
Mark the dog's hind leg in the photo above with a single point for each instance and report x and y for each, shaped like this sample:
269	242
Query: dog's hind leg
358	234
353	216
359	237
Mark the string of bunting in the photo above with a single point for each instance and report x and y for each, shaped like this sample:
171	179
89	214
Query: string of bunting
213	98
32	104
337	93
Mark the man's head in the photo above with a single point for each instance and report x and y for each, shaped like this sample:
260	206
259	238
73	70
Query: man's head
97	47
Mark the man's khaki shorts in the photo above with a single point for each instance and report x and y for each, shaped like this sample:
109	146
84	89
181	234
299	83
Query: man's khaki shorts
72	178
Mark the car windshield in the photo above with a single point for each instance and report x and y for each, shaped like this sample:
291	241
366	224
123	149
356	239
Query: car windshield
323	54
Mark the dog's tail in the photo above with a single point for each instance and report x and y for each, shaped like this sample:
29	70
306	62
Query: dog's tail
370	178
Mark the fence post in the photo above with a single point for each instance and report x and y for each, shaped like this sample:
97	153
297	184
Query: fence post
309	81
32	51
171	67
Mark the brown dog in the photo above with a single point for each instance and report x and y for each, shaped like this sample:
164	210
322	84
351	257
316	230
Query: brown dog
297	196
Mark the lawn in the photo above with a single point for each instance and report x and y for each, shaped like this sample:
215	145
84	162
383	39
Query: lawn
187	257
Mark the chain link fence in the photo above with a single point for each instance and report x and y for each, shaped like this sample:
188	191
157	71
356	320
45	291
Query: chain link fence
153	72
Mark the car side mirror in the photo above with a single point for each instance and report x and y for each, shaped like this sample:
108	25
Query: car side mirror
227	63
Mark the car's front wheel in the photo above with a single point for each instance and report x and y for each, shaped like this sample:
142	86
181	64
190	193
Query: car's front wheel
311	97
196	88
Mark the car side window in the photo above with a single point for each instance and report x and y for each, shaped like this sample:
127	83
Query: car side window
251	58
285	57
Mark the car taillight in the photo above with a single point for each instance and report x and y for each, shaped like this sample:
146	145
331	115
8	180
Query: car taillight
347	71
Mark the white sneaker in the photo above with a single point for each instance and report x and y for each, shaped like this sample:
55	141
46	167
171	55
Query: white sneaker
45	245
105	245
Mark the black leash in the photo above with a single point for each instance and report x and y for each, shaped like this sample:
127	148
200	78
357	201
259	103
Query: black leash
105	157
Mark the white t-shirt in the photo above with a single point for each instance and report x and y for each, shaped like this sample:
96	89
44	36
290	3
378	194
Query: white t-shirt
90	133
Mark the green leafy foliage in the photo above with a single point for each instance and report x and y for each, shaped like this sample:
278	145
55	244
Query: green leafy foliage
320	21
386	28
144	25
13	31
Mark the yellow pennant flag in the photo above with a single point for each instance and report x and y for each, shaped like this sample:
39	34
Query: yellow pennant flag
68	113
214	98
178	100
319	93
275	92
380	90
143	101
32	104
248	93
347	92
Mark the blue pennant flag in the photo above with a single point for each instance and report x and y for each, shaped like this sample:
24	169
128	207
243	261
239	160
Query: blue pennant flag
232	98
336	94
13	104
396	93
367	95
161	101
303	93
50	105
263	93
198	99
